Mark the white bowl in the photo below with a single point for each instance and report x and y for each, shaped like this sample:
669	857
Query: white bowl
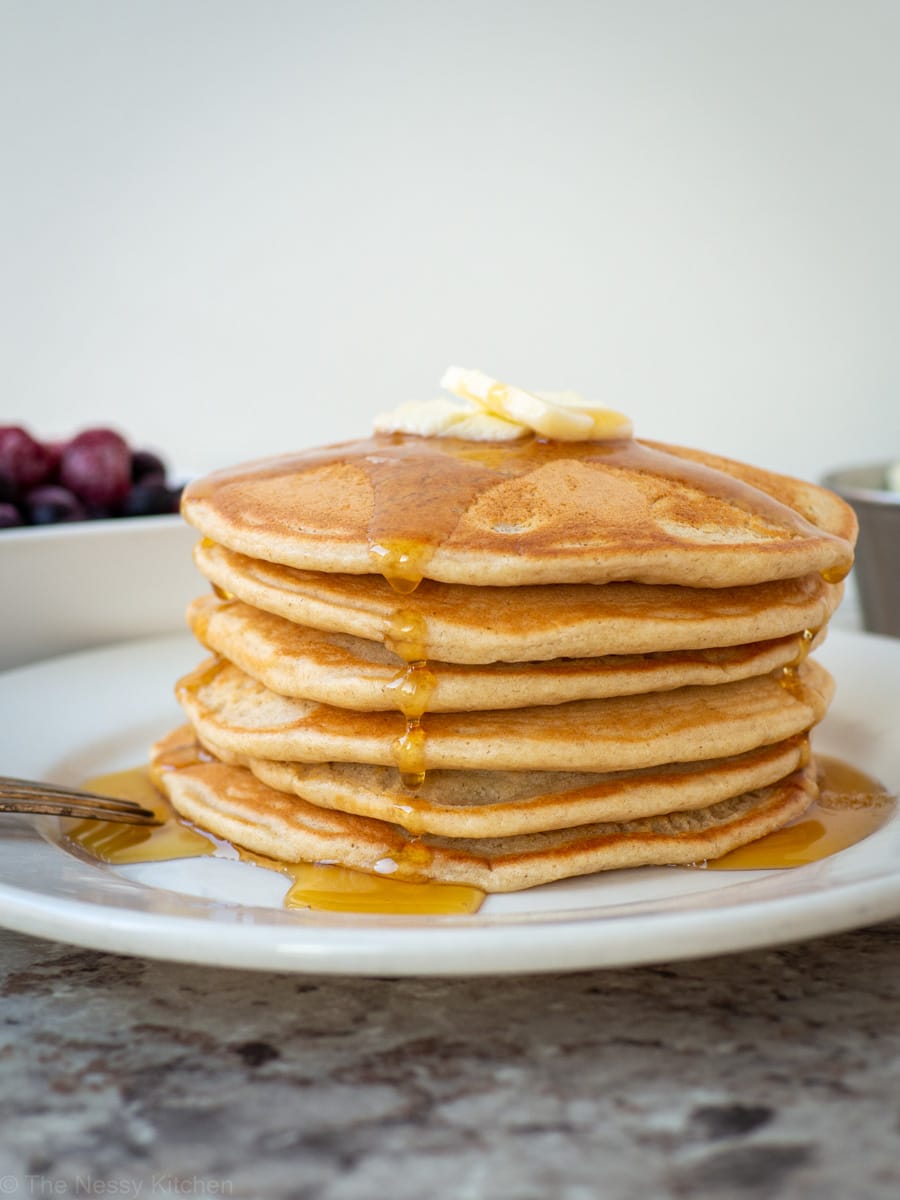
73	586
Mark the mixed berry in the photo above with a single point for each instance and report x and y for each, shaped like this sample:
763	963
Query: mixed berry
94	474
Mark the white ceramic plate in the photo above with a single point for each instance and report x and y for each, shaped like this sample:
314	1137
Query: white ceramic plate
76	716
89	583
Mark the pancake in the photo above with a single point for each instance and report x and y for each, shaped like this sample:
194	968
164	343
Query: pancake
349	672
231	803
236	713
527	512
475	804
481	624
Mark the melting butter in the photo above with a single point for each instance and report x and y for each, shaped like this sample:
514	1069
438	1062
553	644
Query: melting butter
498	411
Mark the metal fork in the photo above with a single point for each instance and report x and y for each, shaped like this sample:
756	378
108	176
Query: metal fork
29	796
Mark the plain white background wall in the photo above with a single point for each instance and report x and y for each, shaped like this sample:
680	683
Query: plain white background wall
234	228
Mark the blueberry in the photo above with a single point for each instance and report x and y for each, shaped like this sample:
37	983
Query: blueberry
10	516
100	512
51	504
146	465
146	500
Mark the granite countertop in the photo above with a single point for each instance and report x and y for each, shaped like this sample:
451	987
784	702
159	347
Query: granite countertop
772	1074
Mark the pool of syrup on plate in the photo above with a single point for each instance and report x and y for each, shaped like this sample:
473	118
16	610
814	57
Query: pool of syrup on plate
851	805
319	886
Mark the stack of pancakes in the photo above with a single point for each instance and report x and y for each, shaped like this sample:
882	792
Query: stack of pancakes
504	664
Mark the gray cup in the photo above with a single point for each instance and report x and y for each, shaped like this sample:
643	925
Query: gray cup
877	569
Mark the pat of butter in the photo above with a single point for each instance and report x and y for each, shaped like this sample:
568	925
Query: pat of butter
494	411
443	418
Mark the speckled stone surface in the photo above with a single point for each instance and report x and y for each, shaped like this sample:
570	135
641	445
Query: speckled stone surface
771	1074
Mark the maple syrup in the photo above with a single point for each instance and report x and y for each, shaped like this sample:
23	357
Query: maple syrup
318	886
338	889
850	806
326	887
790	673
408	753
401	562
412	688
407	634
805	644
118	843
836	574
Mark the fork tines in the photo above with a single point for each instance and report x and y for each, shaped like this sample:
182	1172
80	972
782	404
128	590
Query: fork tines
26	795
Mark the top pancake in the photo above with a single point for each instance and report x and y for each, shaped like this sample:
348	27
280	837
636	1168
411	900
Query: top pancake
525	512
